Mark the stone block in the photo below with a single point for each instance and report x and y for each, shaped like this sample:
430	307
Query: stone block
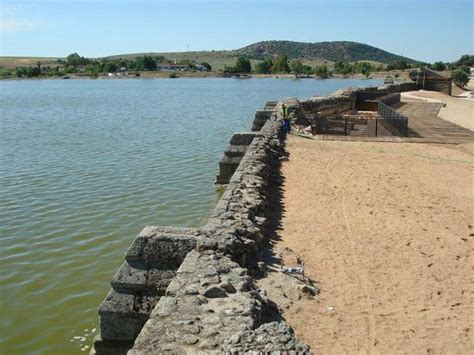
243	138
227	167
161	248
140	281
261	116
122	315
233	151
111	347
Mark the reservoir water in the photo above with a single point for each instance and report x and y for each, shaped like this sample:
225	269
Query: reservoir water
85	165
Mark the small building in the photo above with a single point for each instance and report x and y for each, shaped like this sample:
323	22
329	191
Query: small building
171	67
428	79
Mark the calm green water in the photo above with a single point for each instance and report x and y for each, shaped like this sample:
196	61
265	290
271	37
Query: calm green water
85	165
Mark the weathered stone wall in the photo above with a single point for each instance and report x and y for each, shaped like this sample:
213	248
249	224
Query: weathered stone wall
233	154
189	290
441	86
150	265
184	290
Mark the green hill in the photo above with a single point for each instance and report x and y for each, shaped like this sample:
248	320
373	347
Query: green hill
330	51
310	53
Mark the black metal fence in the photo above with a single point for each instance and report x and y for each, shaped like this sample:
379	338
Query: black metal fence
391	120
387	123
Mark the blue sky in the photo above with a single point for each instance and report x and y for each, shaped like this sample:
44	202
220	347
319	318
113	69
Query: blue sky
420	29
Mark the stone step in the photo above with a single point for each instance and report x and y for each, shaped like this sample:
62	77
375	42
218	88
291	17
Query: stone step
261	116
227	167
233	151
243	138
123	315
160	248
110	347
142	281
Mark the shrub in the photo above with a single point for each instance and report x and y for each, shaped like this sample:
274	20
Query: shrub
243	65
460	77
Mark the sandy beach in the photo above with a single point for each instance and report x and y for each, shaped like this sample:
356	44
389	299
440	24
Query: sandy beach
386	231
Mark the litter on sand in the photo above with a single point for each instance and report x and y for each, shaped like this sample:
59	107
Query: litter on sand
297	269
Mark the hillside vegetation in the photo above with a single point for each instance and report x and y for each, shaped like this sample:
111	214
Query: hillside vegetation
324	59
310	53
331	51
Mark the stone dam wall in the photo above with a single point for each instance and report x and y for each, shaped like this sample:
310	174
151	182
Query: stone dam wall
189	290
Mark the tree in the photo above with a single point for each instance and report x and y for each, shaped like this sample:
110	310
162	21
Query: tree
321	71
363	67
307	70
160	59
243	65
265	66
398	65
111	67
139	64
229	69
73	59
460	77
206	65
465	69
296	66
281	64
149	63
91	70
467	60
440	66
343	68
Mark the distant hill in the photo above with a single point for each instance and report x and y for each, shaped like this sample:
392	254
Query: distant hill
311	54
331	51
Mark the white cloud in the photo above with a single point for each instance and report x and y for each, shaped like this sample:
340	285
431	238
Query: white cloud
18	25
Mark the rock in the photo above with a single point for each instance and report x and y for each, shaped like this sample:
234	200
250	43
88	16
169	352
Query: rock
309	290
234	339
190	290
208	344
166	306
214	292
228	287
211	319
189	339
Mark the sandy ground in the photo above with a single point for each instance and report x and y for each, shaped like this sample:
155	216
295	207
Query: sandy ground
470	85
386	231
457	110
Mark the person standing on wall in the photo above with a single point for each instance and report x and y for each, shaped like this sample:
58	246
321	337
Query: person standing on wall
286	118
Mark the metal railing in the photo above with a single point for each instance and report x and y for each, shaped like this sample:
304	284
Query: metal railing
391	120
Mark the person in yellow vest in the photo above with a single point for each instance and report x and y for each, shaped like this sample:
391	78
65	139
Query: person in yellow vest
286	118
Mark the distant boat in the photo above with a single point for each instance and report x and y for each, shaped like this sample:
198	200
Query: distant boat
66	77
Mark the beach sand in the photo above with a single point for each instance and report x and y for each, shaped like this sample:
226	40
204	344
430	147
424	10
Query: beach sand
386	231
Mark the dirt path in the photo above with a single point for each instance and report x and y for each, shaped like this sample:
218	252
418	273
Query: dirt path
386	230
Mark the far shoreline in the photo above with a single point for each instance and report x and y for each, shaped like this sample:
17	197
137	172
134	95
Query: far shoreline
202	75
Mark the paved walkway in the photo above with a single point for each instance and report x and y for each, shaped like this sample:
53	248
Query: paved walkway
423	122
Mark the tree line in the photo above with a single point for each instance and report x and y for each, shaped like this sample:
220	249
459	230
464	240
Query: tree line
74	63
280	64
